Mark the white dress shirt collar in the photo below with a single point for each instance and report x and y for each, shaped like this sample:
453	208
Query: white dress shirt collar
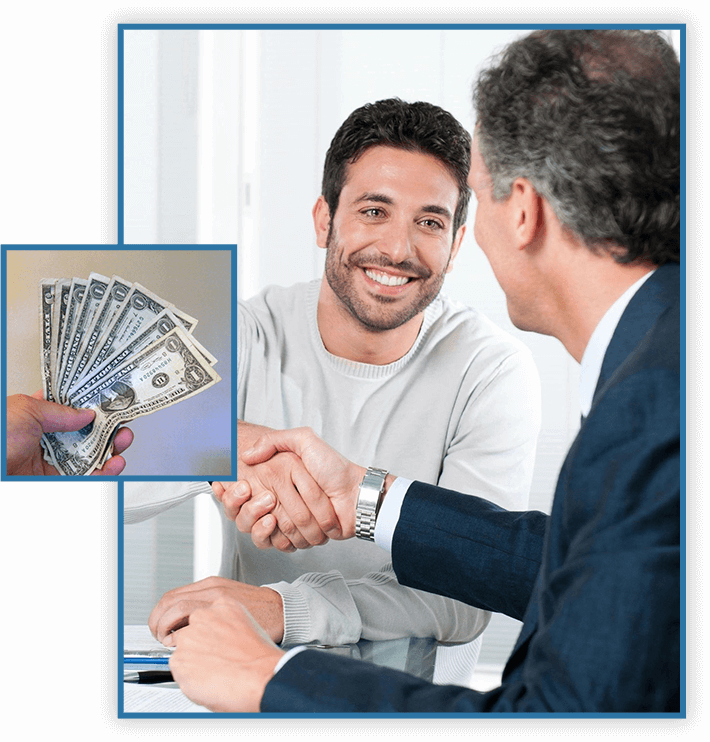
595	351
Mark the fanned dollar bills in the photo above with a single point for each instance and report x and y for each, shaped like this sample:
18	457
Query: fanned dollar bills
118	349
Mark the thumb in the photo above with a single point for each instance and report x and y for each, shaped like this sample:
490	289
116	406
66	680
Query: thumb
274	441
262	450
56	418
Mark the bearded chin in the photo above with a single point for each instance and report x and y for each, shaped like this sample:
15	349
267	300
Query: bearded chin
376	313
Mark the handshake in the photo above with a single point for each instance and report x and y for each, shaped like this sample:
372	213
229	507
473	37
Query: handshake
294	491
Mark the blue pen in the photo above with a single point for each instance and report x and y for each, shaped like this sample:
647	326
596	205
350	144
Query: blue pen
127	660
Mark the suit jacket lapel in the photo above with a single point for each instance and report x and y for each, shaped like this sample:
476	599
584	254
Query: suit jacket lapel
639	316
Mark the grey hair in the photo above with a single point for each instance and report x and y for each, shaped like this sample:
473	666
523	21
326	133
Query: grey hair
592	120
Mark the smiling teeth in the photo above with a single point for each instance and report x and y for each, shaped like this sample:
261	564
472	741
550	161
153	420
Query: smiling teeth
387	280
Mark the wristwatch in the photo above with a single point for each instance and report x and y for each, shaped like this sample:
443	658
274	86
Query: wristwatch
369	499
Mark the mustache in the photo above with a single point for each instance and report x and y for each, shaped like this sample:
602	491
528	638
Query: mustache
377	260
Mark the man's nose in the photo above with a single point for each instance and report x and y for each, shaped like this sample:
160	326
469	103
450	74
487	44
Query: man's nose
397	243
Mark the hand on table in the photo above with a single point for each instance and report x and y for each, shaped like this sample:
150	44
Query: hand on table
29	417
222	659
174	610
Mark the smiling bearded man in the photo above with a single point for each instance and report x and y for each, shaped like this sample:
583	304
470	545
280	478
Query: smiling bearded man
404	265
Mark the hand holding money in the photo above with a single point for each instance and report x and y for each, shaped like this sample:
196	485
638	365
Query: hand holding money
28	418
118	349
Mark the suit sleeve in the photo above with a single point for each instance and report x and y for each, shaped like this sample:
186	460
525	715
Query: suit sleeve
469	549
481	543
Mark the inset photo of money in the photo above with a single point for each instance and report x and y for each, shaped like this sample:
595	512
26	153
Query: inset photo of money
132	347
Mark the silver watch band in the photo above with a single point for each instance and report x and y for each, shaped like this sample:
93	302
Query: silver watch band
369	499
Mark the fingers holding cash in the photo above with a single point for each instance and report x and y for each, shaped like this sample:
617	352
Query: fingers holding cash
116	463
117	349
29	418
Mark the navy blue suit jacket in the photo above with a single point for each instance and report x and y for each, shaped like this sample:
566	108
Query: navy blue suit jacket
597	583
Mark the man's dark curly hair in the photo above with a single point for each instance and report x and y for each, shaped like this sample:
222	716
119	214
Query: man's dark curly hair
592	120
416	127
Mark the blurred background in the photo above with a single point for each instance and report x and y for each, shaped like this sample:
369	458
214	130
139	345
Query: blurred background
225	133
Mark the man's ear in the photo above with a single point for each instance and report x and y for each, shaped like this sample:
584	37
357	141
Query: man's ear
526	211
455	246
321	222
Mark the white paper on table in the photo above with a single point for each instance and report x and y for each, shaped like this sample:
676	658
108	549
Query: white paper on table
138	698
150	699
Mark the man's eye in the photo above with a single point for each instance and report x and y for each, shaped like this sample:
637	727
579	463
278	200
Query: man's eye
373	212
432	223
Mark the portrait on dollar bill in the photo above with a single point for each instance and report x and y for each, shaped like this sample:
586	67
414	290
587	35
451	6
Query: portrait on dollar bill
136	336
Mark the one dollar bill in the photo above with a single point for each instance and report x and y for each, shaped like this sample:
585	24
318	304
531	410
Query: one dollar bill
116	348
